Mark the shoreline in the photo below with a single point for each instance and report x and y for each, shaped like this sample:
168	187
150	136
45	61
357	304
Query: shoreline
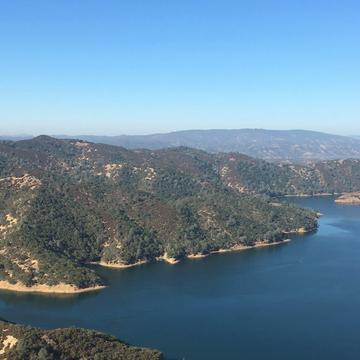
174	261
257	245
351	198
311	195
119	265
342	198
235	248
164	257
167	259
67	289
47	289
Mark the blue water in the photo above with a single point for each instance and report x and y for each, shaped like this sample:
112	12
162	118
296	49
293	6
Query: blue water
299	300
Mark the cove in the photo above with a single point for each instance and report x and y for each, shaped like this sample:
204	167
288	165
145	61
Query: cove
293	301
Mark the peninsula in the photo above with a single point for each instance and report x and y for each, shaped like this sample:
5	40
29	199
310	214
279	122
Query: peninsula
66	204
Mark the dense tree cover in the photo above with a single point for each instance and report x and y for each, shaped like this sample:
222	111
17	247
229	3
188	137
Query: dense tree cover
70	343
335	176
175	185
136	243
65	204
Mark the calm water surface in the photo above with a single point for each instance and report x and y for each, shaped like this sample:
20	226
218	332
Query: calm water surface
300	300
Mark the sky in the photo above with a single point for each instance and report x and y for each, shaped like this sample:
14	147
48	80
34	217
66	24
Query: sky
111	67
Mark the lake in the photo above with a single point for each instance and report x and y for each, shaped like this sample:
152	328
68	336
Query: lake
299	300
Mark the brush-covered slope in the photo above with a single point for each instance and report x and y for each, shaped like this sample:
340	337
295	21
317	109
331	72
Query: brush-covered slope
258	176
24	342
65	204
264	144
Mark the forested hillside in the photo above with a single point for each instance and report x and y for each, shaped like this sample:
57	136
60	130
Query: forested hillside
259	176
65	204
24	342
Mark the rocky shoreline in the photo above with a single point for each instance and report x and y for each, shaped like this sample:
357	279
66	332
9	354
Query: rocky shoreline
42	288
349	199
173	261
72	289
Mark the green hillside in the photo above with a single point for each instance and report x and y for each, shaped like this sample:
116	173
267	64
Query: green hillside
24	342
65	204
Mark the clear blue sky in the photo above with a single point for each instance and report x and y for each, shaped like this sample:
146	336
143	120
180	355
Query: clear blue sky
142	66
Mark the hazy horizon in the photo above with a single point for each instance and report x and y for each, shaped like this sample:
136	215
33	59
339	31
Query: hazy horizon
25	135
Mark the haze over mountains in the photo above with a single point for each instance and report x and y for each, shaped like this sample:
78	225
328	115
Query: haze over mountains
272	145
265	144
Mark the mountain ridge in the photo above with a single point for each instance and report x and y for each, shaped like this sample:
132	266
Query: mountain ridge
271	145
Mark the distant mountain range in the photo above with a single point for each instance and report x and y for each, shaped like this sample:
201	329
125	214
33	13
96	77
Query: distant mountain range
271	145
15	137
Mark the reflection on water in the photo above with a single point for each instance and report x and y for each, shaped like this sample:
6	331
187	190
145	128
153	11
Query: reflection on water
44	299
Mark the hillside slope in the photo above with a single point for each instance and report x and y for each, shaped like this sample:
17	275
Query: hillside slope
24	342
296	145
274	179
65	204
